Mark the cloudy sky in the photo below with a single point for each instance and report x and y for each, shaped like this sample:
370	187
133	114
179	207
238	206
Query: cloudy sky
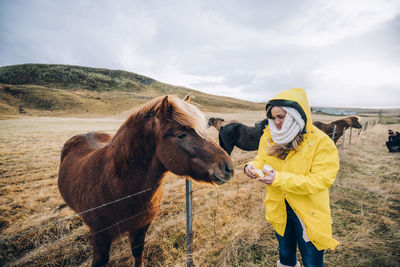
342	52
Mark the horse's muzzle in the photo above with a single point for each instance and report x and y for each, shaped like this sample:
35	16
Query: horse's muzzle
224	175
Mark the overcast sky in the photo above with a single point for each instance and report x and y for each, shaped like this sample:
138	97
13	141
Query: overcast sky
342	52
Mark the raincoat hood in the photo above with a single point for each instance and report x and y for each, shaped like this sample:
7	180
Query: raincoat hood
294	98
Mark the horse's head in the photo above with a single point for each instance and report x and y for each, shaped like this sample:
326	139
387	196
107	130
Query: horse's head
216	122
210	122
350	121
355	122
183	146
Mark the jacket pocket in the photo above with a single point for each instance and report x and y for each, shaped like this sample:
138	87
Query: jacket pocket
275	207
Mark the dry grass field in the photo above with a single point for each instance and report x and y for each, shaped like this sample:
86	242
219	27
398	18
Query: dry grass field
228	223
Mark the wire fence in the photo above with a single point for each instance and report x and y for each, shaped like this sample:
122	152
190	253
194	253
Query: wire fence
93	209
74	215
157	234
348	135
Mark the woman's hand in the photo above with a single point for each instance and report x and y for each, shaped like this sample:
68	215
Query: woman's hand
250	171
269	176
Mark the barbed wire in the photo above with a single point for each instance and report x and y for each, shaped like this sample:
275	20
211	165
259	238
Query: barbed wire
92	209
105	204
75	215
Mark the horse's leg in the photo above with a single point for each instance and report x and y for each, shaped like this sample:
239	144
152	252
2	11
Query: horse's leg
227	148
228	138
137	244
101	248
337	136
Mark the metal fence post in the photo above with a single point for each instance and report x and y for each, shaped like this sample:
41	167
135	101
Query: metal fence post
334	130
365	126
351	131
344	135
189	222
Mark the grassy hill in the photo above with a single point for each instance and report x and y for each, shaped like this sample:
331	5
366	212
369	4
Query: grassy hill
61	90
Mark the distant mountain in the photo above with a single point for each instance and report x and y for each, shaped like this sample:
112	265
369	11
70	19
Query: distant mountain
66	76
52	90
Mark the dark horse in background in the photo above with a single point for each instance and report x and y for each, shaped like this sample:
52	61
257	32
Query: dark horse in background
114	182
237	134
341	125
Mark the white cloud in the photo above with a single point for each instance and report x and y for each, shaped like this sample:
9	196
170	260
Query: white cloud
330	21
357	84
248	50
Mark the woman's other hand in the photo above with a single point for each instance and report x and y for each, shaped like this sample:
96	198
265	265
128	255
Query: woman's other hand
268	178
250	171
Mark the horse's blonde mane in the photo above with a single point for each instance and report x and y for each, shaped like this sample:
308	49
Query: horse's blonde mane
183	113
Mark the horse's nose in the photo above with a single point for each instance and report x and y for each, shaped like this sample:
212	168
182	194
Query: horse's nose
228	171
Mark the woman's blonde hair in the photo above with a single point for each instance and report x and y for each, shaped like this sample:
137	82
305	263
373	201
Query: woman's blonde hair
281	151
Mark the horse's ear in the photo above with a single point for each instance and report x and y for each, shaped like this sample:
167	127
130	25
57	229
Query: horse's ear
187	98
165	109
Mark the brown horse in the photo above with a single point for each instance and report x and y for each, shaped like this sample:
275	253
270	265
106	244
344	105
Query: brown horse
341	125
218	123
114	182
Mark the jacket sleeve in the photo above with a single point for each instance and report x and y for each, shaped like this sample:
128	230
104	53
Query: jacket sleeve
324	168
258	161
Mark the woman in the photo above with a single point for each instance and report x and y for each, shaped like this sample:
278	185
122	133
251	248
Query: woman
304	163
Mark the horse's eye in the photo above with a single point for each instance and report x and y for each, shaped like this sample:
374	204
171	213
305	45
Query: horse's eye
181	136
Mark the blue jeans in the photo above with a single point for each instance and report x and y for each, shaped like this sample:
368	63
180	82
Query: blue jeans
311	256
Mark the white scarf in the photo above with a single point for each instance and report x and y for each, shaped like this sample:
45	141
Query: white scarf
292	125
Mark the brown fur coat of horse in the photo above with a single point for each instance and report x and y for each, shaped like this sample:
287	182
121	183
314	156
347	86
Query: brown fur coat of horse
114	182
341	125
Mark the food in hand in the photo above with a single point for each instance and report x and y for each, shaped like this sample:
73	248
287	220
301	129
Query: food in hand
268	168
265	170
259	173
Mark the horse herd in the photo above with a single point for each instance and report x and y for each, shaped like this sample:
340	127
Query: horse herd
233	133
114	182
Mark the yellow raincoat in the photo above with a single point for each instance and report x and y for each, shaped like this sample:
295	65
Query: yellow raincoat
303	178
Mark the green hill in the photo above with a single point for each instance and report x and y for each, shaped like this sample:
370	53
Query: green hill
63	90
67	77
